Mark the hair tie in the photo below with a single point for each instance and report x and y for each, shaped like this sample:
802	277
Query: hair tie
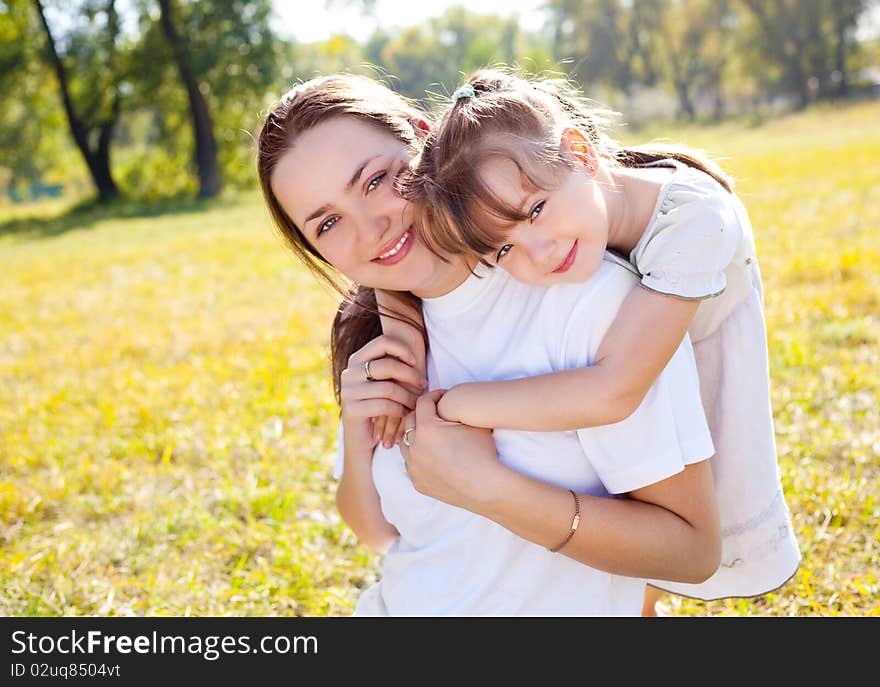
466	91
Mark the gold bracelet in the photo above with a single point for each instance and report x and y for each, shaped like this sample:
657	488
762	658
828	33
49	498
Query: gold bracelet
574	523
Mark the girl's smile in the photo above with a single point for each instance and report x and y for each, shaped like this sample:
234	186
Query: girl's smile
568	261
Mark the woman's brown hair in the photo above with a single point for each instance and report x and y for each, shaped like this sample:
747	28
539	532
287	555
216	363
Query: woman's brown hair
499	115
300	109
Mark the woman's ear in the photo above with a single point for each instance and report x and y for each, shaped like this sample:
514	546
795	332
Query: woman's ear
420	126
574	144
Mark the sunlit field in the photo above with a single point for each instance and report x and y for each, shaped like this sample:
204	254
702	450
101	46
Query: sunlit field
167	424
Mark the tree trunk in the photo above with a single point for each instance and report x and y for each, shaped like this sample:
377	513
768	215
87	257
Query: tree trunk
842	85
686	106
98	160
203	126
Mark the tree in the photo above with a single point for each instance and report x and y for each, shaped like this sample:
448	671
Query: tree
209	82
203	125
696	50
92	98
808	41
33	136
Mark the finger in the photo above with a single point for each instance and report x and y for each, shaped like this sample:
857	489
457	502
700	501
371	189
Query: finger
379	428
376	407
379	348
426	406
391	425
393	369
390	390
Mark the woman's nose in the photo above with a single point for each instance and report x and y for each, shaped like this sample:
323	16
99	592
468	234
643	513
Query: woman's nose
381	215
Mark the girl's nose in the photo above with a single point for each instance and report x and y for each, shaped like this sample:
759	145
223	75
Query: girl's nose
540	250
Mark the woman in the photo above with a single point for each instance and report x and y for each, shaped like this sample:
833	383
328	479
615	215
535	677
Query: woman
470	526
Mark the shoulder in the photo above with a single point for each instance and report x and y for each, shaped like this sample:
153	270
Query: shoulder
692	237
582	313
694	202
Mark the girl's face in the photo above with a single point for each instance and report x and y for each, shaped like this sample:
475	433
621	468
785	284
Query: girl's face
336	184
565	237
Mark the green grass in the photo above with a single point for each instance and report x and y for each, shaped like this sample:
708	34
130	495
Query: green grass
167	422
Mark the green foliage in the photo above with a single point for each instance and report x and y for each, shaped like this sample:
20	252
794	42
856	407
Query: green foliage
235	57
35	142
167	423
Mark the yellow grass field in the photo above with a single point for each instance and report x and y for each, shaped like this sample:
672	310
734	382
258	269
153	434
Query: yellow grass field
167	425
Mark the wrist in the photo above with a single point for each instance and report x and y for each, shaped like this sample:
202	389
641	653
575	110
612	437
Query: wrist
493	490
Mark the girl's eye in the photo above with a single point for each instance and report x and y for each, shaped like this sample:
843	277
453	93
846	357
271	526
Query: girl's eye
505	249
375	181
533	215
327	224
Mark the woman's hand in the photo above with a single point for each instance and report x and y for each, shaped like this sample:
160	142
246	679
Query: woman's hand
449	461
391	391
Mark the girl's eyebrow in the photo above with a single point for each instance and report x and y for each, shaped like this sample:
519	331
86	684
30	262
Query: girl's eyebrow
351	182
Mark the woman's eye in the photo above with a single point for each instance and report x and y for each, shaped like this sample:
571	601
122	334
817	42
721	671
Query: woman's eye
376	180
327	224
505	249
533	215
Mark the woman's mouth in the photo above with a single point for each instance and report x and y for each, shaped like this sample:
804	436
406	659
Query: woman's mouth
396	250
569	260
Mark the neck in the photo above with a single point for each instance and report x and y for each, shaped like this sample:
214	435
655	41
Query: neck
634	197
447	277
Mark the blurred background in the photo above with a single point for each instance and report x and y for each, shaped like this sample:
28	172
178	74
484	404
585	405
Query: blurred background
167	424
152	99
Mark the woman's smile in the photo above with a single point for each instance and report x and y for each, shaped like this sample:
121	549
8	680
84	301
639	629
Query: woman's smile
395	250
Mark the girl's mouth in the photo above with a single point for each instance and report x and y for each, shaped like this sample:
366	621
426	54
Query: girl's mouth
569	260
396	250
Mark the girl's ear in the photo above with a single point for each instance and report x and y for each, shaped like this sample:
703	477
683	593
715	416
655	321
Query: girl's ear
574	144
420	126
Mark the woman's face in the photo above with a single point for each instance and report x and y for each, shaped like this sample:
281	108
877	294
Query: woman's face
337	184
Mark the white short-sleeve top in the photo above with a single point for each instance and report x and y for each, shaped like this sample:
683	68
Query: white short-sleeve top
699	244
696	246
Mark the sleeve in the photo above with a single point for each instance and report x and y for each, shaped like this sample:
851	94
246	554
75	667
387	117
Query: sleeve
340	454
691	242
668	430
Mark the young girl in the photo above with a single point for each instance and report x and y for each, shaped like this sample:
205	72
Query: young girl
521	173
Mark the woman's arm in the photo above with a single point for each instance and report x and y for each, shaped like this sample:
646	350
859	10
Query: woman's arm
668	530
361	400
645	334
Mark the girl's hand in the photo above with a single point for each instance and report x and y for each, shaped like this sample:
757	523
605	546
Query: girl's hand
388	428
392	391
449	461
455	404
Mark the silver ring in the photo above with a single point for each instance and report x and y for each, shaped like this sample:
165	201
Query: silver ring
370	377
406	436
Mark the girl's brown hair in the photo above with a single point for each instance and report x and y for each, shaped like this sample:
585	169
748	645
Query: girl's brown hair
300	109
499	115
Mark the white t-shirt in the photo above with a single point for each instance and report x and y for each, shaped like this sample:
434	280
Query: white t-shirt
449	561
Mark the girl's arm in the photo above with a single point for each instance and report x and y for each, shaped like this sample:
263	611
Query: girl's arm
388	429
645	334
361	400
668	530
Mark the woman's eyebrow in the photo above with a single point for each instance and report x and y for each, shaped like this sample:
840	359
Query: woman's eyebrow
351	182
357	173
